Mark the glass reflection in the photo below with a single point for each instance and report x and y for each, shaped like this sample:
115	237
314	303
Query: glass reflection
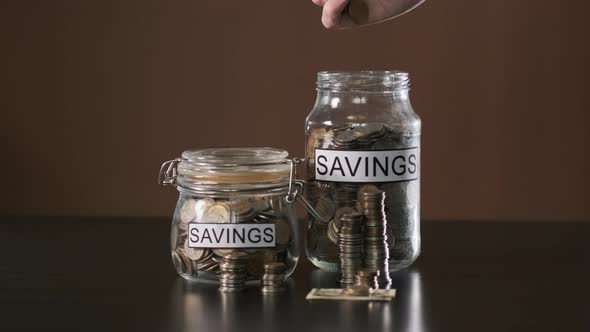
201	307
404	313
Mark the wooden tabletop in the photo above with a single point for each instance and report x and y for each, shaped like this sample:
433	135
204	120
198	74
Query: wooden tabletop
115	274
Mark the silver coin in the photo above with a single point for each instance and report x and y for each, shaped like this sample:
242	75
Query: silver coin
201	207
325	208
195	254
188	211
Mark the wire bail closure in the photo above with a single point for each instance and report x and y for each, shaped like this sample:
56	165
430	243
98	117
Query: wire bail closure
168	173
296	189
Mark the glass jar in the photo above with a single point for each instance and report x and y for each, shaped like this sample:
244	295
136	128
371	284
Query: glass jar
363	135
232	203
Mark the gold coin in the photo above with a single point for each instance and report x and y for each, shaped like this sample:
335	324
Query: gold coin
367	189
223	252
220	210
342	211
195	254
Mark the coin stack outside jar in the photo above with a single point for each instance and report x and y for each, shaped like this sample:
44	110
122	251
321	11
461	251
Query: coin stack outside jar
233	272
364	281
350	246
376	251
367	278
273	279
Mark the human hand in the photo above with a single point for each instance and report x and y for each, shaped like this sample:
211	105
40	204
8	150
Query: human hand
351	13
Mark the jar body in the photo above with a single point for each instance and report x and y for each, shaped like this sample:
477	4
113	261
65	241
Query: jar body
237	222
362	134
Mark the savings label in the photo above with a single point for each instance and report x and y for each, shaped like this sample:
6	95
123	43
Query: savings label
231	235
367	166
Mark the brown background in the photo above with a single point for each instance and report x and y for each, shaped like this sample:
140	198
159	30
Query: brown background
96	94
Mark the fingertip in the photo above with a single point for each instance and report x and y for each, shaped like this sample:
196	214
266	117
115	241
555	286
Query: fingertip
329	22
320	3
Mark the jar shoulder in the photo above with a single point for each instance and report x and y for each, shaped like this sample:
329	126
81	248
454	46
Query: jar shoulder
401	115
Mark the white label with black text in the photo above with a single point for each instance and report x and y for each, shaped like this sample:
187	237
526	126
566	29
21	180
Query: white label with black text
231	235
367	166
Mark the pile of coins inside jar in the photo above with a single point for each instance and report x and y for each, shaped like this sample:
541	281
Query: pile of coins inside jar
391	207
233	267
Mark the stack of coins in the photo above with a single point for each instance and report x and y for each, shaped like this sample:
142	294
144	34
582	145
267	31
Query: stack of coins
364	281
334	229
273	278
366	278
344	194
350	246
232	277
376	250
344	138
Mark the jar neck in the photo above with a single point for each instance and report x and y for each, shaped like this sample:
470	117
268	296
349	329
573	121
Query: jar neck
335	99
362	87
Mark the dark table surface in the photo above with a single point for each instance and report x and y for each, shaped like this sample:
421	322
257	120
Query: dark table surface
115	274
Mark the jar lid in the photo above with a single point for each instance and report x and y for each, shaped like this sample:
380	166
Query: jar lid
231	169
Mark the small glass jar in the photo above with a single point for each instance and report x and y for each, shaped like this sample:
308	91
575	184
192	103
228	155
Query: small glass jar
232	200
363	134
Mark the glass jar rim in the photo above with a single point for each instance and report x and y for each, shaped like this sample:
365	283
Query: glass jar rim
228	156
363	80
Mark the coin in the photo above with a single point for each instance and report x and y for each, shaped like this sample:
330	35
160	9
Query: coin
344	138
241	211
188	211
223	252
194	253
201	206
325	208
218	209
357	291
367	189
343	210
273	278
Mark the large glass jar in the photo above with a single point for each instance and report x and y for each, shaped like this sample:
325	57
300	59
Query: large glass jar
363	135
232	203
